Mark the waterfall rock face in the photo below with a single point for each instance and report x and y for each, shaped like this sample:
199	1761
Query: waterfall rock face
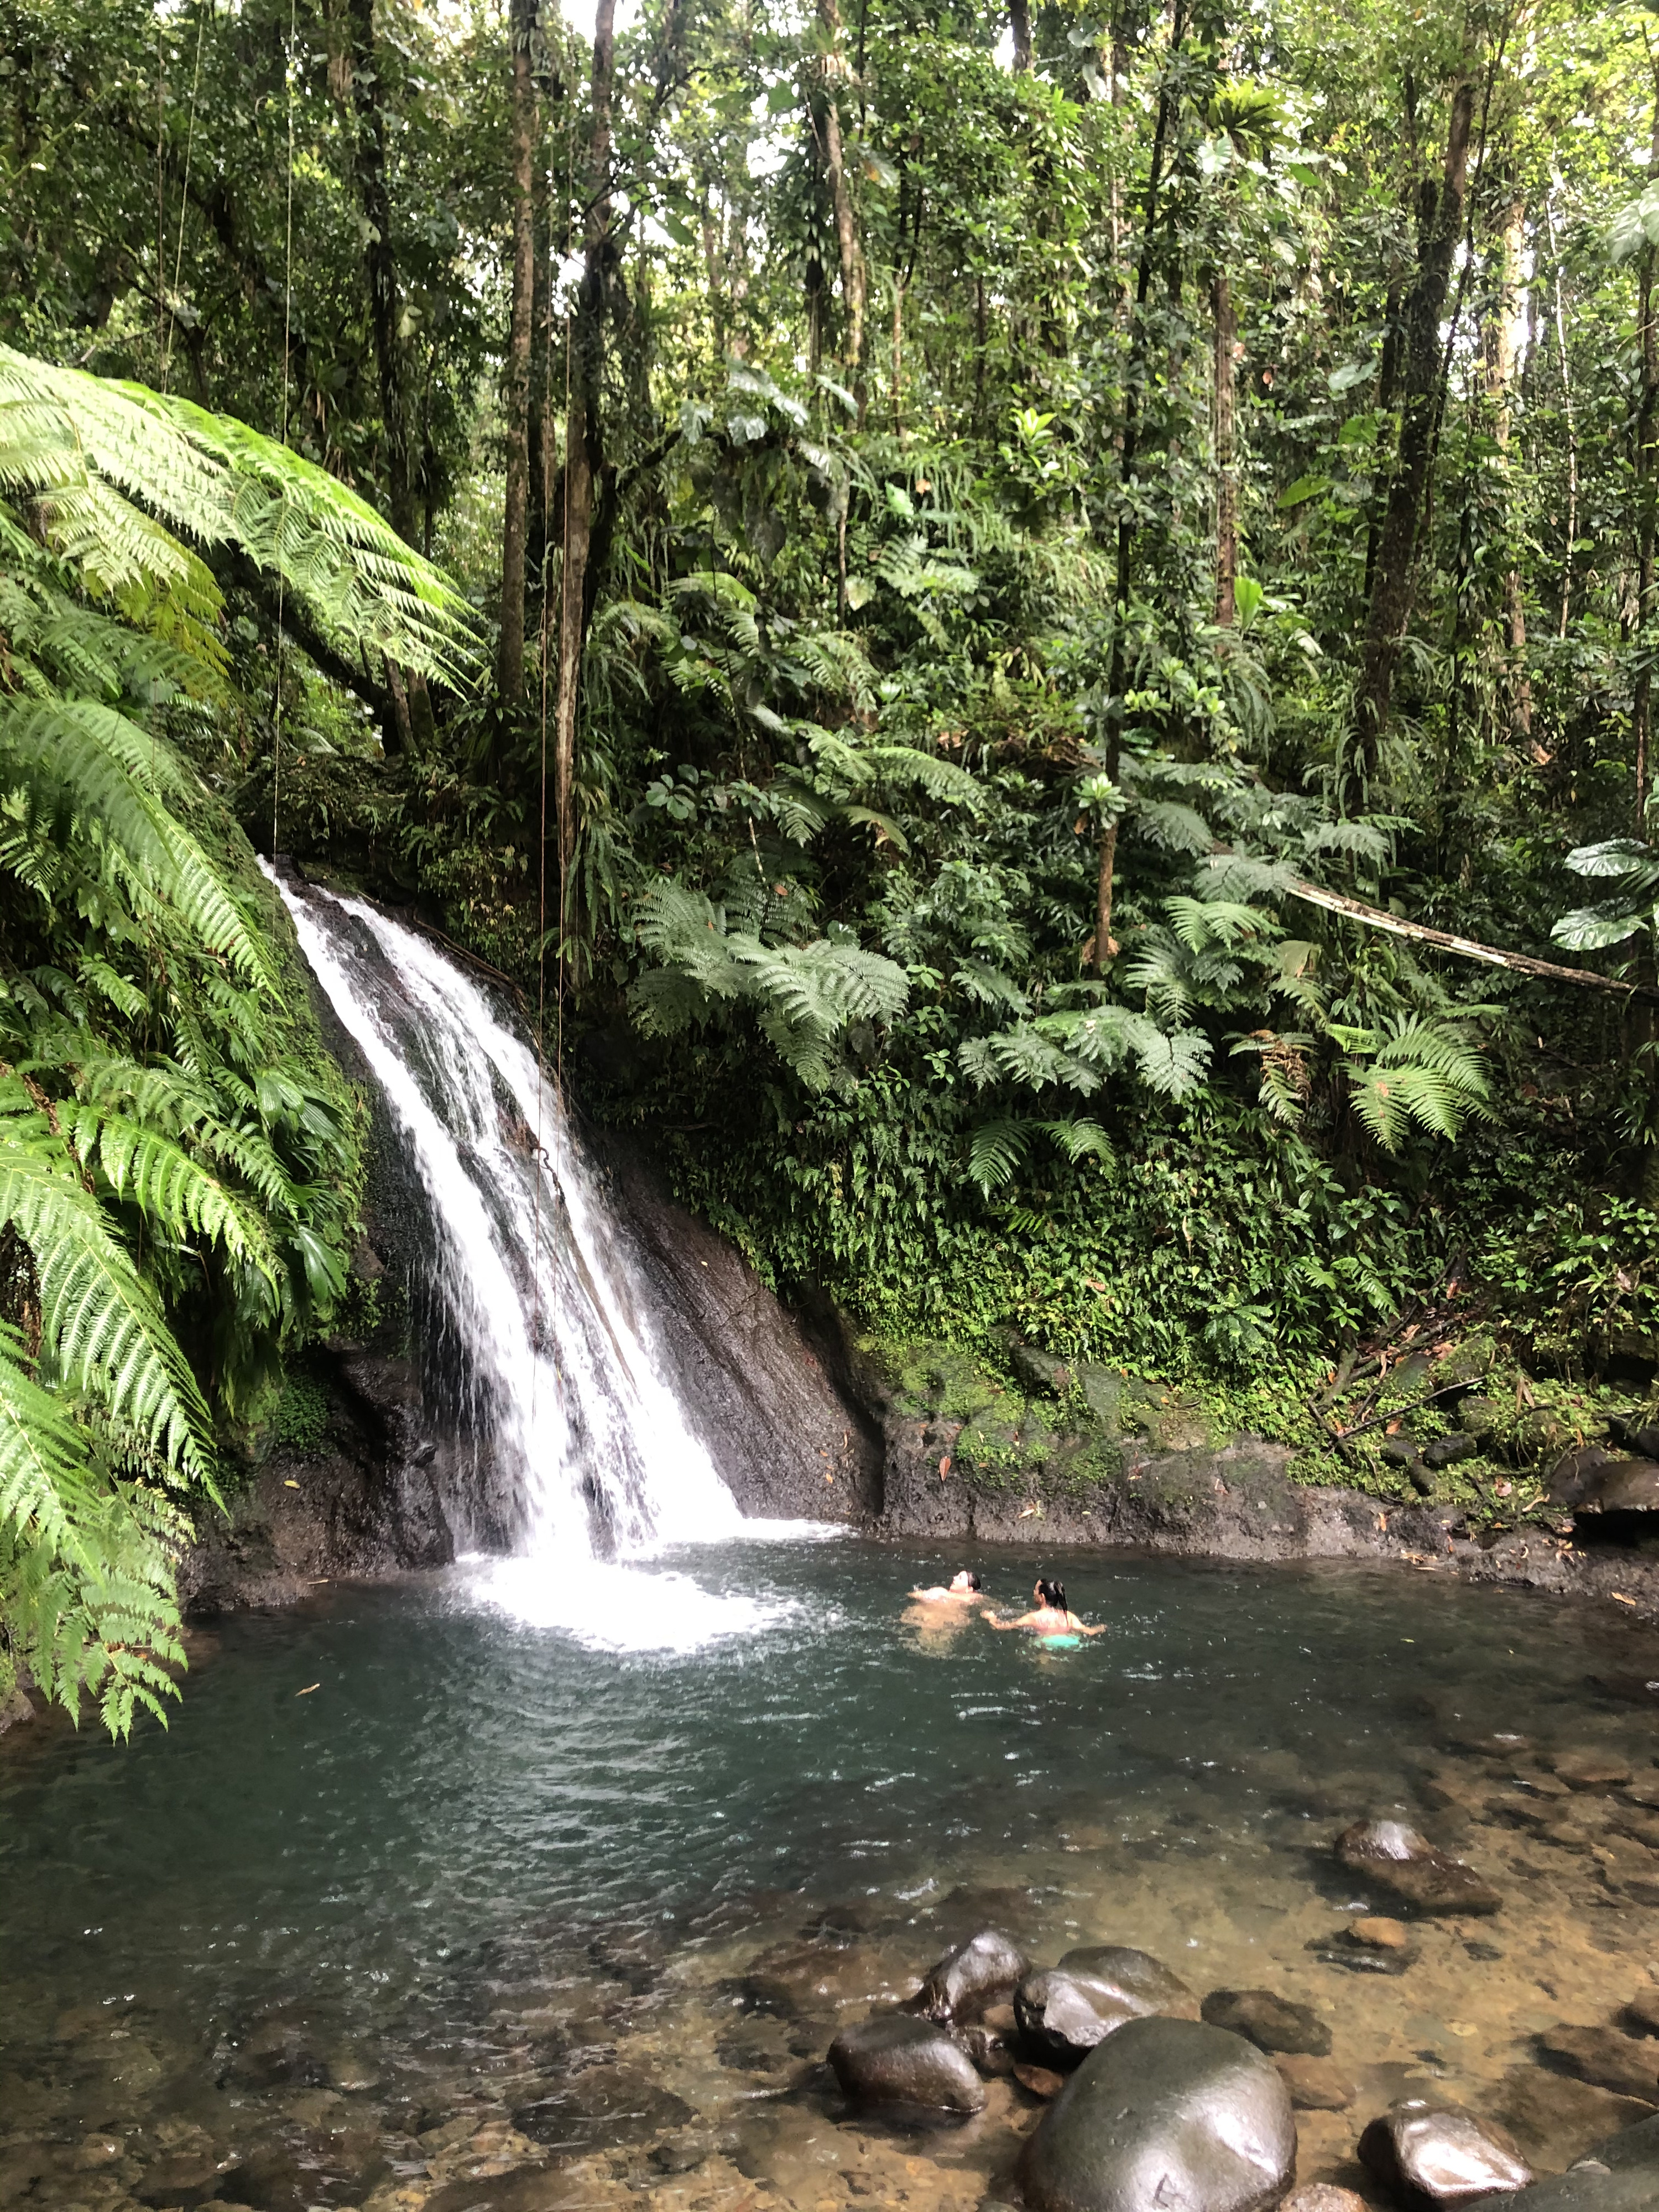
563	1363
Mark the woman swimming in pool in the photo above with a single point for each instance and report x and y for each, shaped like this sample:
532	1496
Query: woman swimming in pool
965	1589
1049	1617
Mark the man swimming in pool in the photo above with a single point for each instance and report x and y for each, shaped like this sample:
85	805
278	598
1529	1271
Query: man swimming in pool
964	1589
1048	1617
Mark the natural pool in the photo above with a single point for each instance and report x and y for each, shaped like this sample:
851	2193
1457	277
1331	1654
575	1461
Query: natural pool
416	1897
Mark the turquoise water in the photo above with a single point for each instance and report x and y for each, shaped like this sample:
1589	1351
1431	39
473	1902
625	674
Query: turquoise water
398	1851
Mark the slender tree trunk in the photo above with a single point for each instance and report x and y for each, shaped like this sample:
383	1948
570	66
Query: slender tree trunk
1440	220
1019	22
1572	429
840	199
898	356
1226	470
1105	945
1647	410
380	265
582	440
509	660
1505	346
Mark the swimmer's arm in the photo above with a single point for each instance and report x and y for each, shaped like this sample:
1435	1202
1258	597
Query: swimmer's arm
1024	1621
1082	1631
933	1595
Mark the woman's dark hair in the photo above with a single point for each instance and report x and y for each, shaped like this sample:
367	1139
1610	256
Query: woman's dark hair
974	1582
1052	1593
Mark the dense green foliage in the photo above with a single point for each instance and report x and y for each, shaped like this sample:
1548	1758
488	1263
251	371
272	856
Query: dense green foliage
178	1158
998	528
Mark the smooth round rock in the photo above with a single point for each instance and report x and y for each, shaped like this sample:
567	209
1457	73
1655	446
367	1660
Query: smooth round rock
1393	1854
1271	2022
1061	2016
972	1976
1172	2113
901	2060
1143	1983
1620	2175
1447	2155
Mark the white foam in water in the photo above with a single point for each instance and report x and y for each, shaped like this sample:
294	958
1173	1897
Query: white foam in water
563	1375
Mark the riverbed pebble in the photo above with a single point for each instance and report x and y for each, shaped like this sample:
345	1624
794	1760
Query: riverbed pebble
1449	2156
1378	1932
1316	2084
1269	2021
1170	2112
898	2059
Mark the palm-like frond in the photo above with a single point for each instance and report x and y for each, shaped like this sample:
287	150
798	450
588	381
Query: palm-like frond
1418	1072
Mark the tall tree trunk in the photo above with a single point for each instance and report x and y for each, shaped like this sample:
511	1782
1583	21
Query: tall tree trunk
1565	366
1505	340
1226	469
1440	222
379	265
1019	22
1105	946
582	440
509	657
840	199
1646	413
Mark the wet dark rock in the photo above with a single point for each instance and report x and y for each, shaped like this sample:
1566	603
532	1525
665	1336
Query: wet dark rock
1629	1689
681	2154
1622	2063
1395	1856
1444	1450
1355	1959
992	2053
974	1974
1271	2022
1619	2174
750	2057
604	2107
1595	1772
186	2177
899	2060
1440	2154
1167	2112
1316	2084
1556	2117
1607	1486
1400	1451
1062	2016
1143	1983
525	2189
1486	1954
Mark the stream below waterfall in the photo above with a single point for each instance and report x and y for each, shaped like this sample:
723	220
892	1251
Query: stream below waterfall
414	1896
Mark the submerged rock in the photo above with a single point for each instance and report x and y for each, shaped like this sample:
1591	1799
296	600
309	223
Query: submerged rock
1620	2175
1143	1983
1168	2112
1556	2117
974	1975
1323	2197
1621	2063
1316	2084
1271	2022
1445	2155
1062	2016
1377	1933
898	2059
1592	1770
1642	2011
1394	1854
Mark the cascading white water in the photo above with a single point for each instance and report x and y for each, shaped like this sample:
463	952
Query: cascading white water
563	1376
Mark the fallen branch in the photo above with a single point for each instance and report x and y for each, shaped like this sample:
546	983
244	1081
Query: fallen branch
1467	948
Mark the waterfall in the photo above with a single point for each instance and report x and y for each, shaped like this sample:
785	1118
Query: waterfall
559	1380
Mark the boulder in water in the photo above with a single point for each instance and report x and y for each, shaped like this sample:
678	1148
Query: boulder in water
1271	2022
1167	2112
1062	2016
1393	1854
1620	2175
898	2059
974	1975
1440	2154
1141	1982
